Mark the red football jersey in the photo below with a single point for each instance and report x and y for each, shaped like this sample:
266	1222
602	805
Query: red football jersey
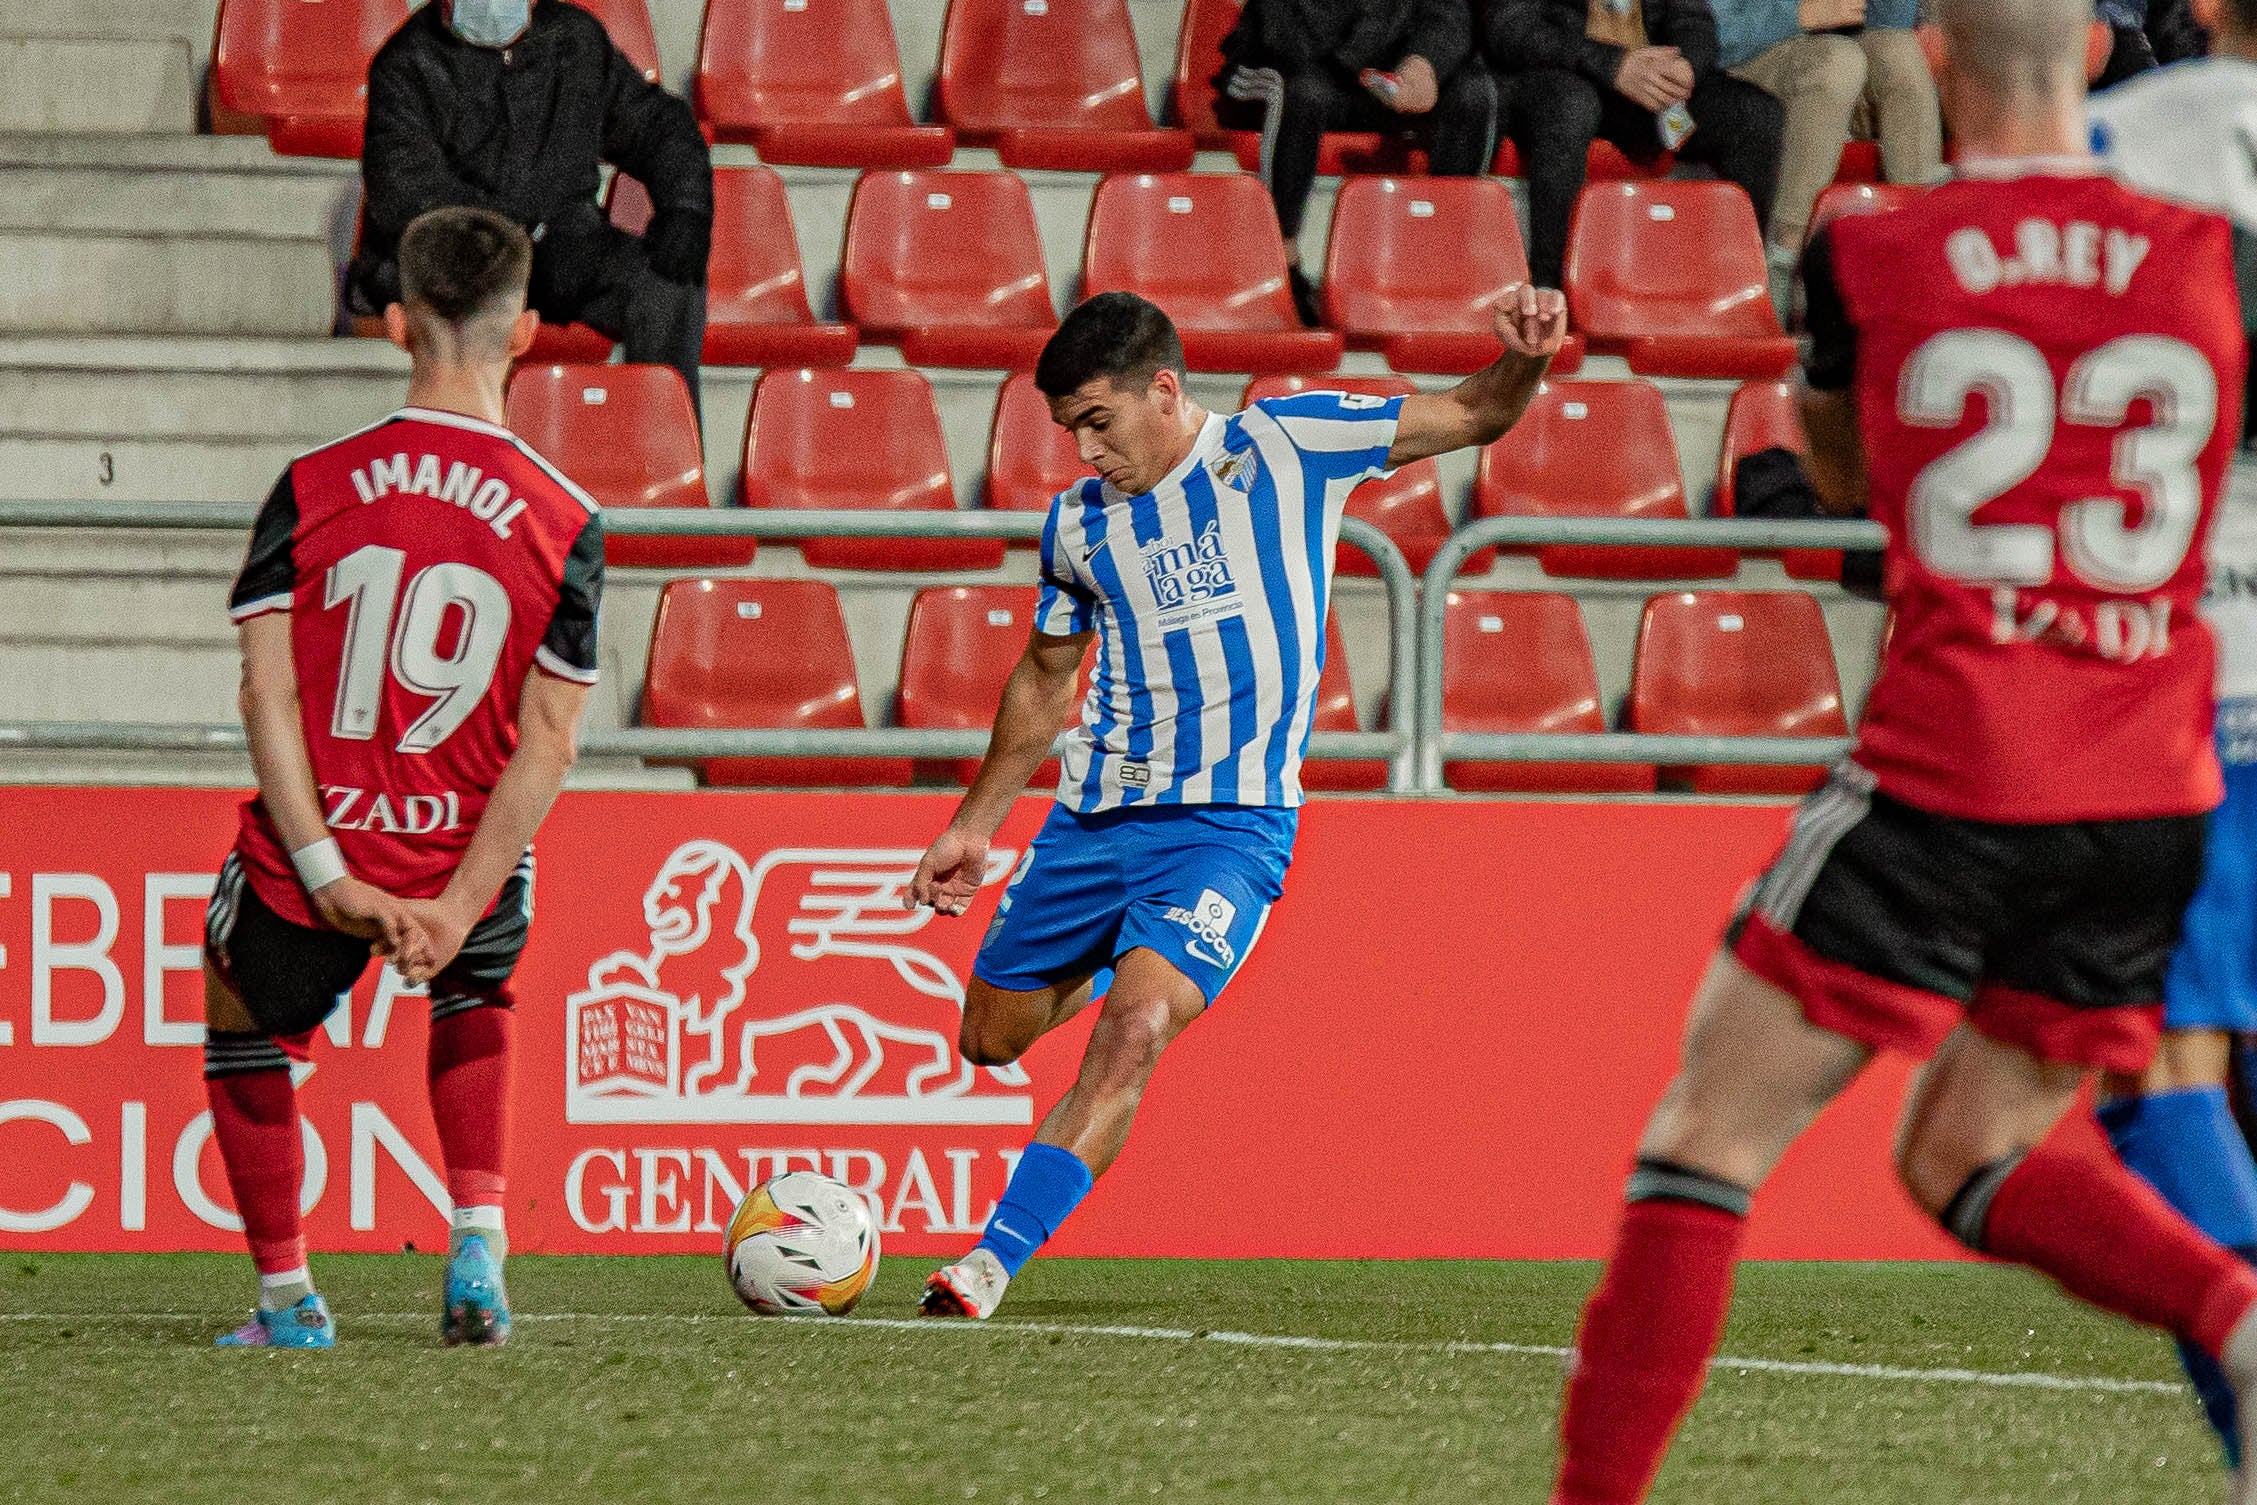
429	564
2048	375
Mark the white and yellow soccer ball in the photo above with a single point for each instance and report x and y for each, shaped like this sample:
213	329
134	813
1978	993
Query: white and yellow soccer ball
801	1244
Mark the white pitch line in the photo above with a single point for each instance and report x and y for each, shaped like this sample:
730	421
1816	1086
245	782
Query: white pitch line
1997	1379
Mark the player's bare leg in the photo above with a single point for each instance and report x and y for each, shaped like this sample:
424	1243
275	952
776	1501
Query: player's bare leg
255	1119
1149	1004
1000	1026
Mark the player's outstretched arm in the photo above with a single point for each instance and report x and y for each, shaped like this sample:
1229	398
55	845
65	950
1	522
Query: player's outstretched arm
1532	325
1836	462
275	730
1037	698
548	740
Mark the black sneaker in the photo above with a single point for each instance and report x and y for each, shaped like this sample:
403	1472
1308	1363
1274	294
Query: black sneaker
1305	301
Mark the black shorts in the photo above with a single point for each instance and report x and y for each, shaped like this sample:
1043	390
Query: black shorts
1890	924
290	976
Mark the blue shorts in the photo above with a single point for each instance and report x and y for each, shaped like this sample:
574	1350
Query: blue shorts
2212	983
1192	882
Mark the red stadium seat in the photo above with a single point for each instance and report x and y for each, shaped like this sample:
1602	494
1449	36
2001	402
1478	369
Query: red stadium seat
960	647
296	71
816	83
1763	416
1199	57
1860	198
628	23
1051	84
1519	661
628	436
1595	449
1406	506
1671	275
1336	712
864	441
1413	268
756	311
560	345
948	265
1605	163
1029	458
759	654
1205	247
1737	664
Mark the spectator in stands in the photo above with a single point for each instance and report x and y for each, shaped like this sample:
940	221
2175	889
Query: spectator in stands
1641	74
509	105
1840	67
1294	69
2149	34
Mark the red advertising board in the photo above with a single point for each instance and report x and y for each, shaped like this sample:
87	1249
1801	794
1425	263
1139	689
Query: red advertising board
1444	1045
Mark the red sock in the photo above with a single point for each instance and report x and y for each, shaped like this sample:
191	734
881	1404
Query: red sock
1642	1353
469	1079
255	1119
2072	1211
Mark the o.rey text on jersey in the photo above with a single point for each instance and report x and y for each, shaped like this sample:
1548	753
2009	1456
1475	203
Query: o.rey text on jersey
484	497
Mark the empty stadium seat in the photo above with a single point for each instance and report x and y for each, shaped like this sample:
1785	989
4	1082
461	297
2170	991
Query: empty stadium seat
1763	416
1406	506
1336	712
1860	198
865	441
1199	57
960	647
1051	84
759	654
1737	664
948	265
1413	269
811	82
1595	449
297	70
1671	275
628	23
756	310
628	436
1519	661
1205	247
1029	458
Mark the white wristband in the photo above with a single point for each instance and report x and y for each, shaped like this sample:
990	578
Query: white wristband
319	864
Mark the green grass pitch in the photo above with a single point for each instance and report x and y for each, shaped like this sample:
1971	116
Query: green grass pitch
641	1380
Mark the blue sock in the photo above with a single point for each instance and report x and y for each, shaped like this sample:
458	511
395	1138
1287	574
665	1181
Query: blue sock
1048	1185
2187	1146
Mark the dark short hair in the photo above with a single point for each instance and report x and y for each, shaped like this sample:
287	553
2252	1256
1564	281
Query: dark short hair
1118	336
458	262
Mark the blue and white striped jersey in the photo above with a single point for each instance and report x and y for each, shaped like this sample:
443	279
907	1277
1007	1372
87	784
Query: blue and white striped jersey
1208	598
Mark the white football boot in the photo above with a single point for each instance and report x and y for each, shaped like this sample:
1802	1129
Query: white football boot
972	1287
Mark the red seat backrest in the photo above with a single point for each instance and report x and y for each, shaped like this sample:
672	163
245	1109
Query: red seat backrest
750	653
1421	254
1199	57
959	649
300	57
1841	199
772	62
628	22
846	439
626	434
1583	449
944	248
1735	663
754	276
1336	699
1006	64
1517	661
1668	257
1029	458
1762	416
1204	246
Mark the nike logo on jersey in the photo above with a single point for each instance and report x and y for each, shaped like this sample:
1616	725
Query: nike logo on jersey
484	497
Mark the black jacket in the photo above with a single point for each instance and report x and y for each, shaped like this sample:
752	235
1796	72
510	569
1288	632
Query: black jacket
1524	34
519	130
1351	35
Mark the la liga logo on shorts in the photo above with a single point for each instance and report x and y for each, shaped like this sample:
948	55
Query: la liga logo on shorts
1209	923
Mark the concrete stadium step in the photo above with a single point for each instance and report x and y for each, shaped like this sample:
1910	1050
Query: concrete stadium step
70	468
65	283
144	201
189	21
67	83
163	153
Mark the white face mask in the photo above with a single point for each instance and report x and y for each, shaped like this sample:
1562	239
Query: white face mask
490	23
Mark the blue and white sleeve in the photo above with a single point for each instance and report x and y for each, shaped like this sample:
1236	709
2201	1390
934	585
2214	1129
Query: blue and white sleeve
1339	433
1063	606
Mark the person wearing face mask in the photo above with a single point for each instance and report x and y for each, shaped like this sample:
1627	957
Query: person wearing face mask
511	105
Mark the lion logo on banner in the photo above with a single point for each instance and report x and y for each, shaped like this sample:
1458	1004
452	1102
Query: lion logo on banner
790	990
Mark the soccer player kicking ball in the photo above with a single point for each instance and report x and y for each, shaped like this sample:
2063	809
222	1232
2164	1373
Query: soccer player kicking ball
2190	133
1200	561
2033	376
418	623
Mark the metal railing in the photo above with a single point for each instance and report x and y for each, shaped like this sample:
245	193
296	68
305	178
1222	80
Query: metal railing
1436	747
1397	746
